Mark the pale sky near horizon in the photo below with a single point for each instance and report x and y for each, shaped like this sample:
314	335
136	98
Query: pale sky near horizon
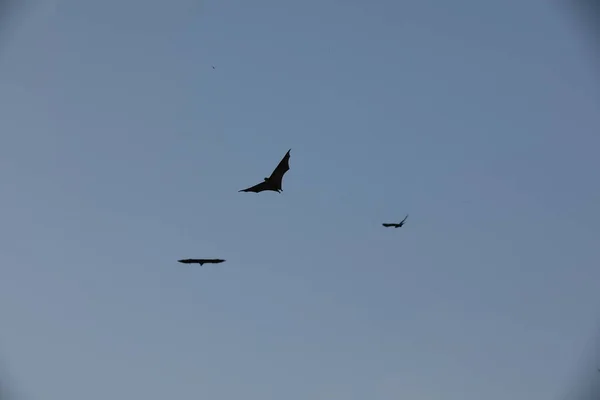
122	151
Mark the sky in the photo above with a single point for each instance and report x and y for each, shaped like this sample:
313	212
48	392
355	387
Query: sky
122	150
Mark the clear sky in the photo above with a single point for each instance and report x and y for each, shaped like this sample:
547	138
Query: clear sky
122	151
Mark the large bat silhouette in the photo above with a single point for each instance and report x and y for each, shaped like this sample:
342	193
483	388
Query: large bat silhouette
201	261
274	181
399	225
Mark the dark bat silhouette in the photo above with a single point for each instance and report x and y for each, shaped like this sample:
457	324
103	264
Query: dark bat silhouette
274	181
395	225
201	261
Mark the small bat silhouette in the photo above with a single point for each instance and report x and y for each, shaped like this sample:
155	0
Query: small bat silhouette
274	181
201	261
399	225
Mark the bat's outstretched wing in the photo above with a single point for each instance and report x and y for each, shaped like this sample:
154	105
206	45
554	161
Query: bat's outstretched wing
276	177
404	219
388	225
258	188
203	261
274	181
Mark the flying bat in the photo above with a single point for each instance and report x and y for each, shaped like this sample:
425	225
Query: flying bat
201	261
399	225
274	181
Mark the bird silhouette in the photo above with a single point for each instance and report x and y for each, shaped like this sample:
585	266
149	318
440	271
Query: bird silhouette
399	225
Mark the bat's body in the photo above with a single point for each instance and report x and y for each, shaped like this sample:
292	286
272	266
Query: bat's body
399	225
274	181
201	261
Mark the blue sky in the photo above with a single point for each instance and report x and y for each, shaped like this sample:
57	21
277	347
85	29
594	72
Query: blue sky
123	151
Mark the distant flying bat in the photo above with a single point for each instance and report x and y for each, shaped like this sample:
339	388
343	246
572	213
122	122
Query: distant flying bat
274	181
396	225
213	67
201	261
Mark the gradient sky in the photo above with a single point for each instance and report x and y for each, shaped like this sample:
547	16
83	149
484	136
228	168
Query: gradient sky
123	151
